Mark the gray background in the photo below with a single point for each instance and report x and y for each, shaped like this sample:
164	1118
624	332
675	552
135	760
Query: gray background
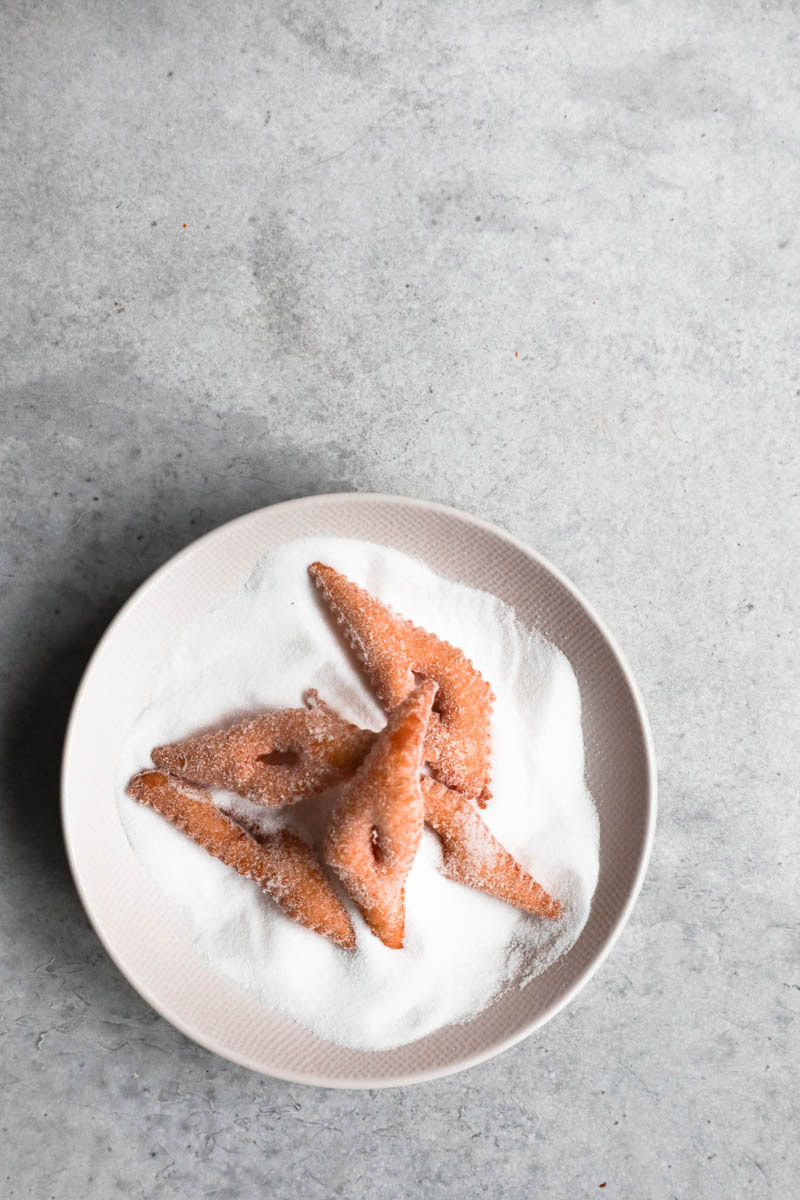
538	261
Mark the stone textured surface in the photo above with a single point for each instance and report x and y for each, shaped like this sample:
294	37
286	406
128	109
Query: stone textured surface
537	261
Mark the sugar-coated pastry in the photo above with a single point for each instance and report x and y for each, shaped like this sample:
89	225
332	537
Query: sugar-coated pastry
376	825
394	653
472	855
275	758
280	863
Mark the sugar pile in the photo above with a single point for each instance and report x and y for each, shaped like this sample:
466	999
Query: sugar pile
263	648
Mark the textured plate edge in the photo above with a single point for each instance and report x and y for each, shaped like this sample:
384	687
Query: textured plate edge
472	1060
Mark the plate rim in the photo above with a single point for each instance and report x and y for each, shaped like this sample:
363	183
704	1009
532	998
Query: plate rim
467	1061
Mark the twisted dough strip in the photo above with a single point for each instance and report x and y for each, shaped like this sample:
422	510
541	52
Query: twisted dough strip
472	855
393	652
281	863
274	759
376	826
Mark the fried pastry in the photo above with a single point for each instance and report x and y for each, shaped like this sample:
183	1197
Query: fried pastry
394	654
281	863
472	855
376	825
273	759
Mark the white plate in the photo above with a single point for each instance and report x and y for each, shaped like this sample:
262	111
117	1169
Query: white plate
149	939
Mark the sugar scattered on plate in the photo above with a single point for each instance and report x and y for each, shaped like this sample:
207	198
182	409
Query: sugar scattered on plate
263	648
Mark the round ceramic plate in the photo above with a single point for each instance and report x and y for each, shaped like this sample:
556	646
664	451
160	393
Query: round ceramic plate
149	939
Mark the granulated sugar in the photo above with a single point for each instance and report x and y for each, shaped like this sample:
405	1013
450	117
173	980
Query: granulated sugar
263	648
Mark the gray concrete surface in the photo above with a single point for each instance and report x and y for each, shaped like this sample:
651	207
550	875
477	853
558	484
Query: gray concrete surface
537	261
